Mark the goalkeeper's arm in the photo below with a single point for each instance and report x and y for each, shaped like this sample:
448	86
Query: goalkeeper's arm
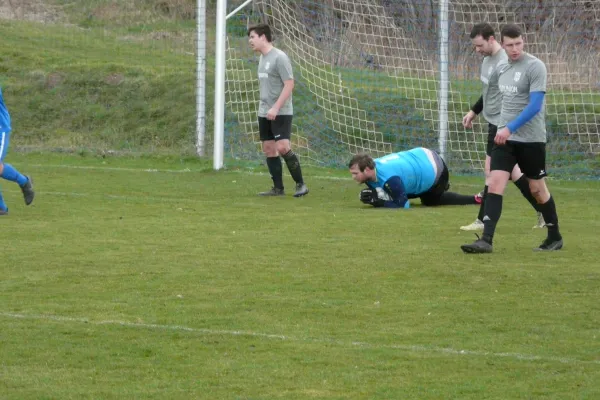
395	190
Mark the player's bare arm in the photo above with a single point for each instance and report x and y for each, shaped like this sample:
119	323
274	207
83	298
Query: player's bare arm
468	119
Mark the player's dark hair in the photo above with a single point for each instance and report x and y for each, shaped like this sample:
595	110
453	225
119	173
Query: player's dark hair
363	160
261	29
484	30
511	31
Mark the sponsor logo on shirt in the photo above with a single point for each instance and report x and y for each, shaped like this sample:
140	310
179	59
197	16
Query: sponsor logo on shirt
508	89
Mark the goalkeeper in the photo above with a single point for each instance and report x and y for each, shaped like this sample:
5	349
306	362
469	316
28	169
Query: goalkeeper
396	178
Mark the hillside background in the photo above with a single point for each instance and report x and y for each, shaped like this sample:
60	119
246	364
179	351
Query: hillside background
101	76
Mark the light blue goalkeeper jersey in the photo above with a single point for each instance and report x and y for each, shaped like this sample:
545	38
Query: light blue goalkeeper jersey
413	167
4	116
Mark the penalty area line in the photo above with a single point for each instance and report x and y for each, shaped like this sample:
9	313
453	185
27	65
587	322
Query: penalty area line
337	342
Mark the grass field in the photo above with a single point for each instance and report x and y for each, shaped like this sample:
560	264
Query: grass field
159	278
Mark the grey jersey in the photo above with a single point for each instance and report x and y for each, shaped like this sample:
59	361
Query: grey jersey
492	98
273	69
517	80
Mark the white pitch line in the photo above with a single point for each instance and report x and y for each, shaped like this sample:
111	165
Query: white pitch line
553	187
146	199
341	343
92	167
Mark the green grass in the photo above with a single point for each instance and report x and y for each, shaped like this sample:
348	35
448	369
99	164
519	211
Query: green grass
67	90
158	278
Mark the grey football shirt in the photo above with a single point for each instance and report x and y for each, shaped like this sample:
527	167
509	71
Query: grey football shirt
518	79
492	98
273	69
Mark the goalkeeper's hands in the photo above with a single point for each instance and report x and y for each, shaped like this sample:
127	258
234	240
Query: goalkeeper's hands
369	196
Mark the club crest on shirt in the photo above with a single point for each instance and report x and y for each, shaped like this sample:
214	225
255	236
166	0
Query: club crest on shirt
517	76
490	70
267	65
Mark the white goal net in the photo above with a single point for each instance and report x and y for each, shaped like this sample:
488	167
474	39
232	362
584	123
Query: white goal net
368	76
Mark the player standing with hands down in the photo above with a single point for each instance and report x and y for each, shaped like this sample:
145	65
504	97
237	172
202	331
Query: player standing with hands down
275	112
484	40
521	140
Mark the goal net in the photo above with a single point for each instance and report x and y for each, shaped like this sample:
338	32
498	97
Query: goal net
368	77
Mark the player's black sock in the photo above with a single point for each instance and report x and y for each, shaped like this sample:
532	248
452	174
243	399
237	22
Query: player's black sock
523	184
454	199
276	171
482	206
548	210
293	164
493	210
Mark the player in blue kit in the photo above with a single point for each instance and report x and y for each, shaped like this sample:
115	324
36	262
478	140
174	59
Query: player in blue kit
7	171
396	178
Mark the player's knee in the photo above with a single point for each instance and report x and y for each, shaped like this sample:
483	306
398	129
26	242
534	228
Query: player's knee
495	186
269	148
539	191
283	146
497	181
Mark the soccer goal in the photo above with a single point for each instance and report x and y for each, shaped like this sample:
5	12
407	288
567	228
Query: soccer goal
383	75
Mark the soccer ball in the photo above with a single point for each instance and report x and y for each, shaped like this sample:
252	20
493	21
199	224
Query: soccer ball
382	194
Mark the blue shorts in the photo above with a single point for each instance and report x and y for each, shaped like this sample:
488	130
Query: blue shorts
4	141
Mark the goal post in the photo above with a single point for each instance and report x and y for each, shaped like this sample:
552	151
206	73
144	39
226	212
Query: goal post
444	78
382	76
219	106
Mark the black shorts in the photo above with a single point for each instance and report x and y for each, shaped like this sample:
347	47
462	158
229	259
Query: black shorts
531	158
432	196
492	129
278	129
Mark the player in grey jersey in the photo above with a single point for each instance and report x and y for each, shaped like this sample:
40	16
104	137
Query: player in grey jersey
521	140
490	103
275	110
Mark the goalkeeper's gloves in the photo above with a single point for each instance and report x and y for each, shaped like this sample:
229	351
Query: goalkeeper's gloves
369	196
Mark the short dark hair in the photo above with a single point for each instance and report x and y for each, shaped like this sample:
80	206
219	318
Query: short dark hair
363	160
261	29
511	30
484	30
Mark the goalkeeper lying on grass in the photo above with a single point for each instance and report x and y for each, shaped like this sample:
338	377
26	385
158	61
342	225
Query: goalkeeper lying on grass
394	179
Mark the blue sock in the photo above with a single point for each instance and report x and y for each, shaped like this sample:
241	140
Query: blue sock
2	203
11	174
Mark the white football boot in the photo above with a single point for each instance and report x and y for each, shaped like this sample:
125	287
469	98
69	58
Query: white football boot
541	223
475	226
